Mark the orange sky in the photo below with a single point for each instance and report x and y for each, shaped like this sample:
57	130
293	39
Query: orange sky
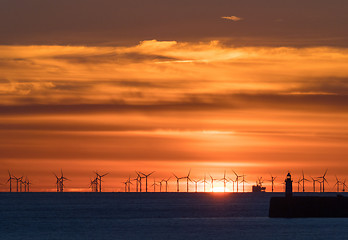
206	100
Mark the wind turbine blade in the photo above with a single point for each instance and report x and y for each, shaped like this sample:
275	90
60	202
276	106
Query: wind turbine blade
235	173
325	173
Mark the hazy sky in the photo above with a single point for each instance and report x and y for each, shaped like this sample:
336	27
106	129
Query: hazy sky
259	87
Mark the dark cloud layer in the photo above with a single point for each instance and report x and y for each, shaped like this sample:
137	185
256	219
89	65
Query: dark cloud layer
198	102
274	23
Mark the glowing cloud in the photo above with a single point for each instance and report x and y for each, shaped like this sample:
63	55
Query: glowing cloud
233	18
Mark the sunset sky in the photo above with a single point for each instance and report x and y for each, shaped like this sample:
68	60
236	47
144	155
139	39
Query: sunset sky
258	87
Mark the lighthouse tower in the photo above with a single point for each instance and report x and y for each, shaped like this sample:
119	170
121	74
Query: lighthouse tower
288	186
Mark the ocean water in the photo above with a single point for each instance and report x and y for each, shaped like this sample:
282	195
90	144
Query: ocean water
155	216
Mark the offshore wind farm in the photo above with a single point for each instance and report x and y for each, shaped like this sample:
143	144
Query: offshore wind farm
228	182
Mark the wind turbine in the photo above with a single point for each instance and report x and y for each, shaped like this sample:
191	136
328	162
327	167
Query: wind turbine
99	177
28	183
233	181
196	184
204	182
129	183
177	182
154	185
125	186
18	180
10	180
167	183
25	183
324	180
303	179
338	182
243	181
137	183
272	180
58	182
212	183
94	185
146	175
320	185
21	183
160	184
187	181
237	179
62	179
314	180
344	186
140	177
225	180
298	184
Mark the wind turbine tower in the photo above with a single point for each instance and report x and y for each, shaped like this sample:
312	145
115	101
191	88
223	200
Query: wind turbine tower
187	181
225	180
18	181
243	181
324	180
99	178
146	176
237	179
10	180
196	184
272	180
314	180
204	182
212	183
177	182
338	182
303	179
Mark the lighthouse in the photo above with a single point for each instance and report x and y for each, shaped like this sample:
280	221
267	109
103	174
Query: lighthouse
288	186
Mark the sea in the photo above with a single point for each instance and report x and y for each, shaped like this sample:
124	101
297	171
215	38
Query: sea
242	216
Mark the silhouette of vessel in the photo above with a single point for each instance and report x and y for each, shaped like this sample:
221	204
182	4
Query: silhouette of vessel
258	187
307	206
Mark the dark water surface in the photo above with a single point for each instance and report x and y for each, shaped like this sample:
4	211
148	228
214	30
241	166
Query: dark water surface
155	216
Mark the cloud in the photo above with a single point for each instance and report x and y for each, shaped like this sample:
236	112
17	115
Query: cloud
130	74
233	18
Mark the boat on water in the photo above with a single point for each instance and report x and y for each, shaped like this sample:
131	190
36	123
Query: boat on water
258	186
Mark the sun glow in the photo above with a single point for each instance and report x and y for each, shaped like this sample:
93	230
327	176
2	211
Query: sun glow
218	189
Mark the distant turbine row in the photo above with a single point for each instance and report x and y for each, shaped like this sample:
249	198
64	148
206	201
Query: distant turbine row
96	183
